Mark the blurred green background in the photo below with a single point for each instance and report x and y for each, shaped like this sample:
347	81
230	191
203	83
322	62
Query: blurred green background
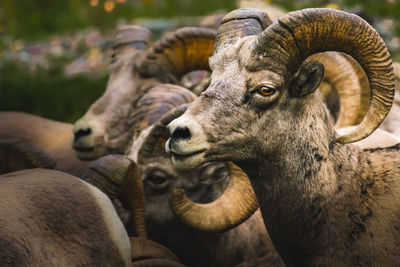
54	54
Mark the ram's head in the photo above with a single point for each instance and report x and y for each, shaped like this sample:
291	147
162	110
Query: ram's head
137	65
263	91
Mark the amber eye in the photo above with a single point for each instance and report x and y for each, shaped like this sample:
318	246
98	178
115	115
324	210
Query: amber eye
265	91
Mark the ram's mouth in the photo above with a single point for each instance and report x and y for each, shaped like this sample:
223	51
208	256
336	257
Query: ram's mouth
188	161
85	153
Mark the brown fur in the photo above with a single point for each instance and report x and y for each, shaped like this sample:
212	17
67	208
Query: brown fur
53	137
51	218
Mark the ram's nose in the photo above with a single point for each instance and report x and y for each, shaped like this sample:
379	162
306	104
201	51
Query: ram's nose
186	135
180	133
79	133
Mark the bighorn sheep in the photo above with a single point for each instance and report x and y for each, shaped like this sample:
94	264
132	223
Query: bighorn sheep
324	202
53	137
50	217
136	66
248	241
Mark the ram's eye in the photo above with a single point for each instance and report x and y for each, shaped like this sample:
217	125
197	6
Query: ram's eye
265	90
156	179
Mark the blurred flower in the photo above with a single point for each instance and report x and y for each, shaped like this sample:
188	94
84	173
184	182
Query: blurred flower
109	6
333	6
94	2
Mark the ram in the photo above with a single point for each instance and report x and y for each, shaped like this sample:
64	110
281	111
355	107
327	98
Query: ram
246	242
324	202
53	218
137	65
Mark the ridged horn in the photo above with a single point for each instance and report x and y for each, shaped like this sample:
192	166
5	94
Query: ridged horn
119	178
19	155
293	38
234	206
240	23
178	53
128	38
158	101
154	143
346	77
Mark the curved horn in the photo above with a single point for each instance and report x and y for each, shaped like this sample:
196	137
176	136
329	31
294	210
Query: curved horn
154	143
291	39
346	76
155	103
178	53
130	37
19	155
234	206
239	23
119	177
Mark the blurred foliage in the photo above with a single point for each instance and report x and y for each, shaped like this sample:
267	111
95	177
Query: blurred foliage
33	19
385	8
371	8
48	93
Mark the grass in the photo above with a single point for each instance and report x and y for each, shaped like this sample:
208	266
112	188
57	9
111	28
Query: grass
48	93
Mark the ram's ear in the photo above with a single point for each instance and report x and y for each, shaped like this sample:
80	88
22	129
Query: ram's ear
307	79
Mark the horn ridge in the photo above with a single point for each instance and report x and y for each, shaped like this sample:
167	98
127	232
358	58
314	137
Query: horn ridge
233	207
179	52
239	23
131	34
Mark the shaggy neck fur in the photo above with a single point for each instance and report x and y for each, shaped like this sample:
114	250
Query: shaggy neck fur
325	203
